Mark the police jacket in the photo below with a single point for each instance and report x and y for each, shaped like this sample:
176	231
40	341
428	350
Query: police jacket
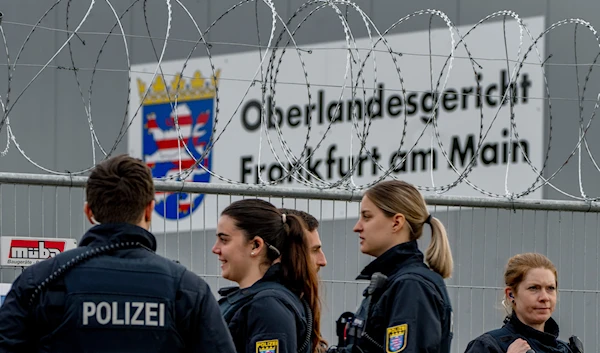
413	312
124	300
266	317
497	341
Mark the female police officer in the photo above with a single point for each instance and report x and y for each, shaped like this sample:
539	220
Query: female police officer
531	282
412	311
276	307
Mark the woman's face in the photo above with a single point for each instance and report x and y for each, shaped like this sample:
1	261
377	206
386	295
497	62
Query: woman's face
535	298
234	250
374	229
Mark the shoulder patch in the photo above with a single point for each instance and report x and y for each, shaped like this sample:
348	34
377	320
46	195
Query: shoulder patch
395	338
268	346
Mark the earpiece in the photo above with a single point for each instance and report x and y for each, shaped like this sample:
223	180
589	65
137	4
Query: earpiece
511	295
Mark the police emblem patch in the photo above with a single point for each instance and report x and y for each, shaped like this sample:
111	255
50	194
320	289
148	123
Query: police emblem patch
395	338
269	346
177	123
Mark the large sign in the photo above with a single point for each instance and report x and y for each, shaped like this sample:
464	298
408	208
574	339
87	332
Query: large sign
25	251
474	133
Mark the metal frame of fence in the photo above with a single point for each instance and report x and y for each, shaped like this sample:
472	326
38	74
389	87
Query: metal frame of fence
303	193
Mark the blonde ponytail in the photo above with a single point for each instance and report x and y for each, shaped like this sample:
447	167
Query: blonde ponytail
438	254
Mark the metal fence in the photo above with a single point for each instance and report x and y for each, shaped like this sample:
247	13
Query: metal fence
484	233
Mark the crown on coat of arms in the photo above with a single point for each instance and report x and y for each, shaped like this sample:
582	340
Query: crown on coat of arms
197	88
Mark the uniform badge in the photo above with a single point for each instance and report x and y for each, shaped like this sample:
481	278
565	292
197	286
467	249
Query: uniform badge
395	338
269	346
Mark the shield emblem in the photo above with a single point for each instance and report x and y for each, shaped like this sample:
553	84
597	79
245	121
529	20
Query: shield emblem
269	346
396	338
175	136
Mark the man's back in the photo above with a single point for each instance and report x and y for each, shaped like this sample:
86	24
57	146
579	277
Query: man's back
124	299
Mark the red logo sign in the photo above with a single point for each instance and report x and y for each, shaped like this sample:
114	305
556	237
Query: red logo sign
35	249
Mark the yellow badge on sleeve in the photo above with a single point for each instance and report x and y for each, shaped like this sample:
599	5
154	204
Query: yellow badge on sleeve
269	346
395	338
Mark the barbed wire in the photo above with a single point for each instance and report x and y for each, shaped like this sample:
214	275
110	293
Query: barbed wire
359	81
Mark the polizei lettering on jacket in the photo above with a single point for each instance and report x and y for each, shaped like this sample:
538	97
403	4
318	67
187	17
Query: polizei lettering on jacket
123	314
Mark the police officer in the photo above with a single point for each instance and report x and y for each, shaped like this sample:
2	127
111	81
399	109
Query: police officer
311	230
113	293
276	306
530	299
410	310
315	247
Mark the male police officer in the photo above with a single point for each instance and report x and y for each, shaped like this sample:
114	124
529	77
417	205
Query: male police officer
315	247
113	293
311	225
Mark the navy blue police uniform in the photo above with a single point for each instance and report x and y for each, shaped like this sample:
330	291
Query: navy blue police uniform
412	313
497	341
123	300
267	316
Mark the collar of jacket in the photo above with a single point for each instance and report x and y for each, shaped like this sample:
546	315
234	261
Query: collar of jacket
235	294
395	257
113	233
548	337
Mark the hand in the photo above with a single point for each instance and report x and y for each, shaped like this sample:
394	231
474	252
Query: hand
518	346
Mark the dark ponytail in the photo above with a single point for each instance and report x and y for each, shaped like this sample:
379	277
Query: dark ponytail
284	237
